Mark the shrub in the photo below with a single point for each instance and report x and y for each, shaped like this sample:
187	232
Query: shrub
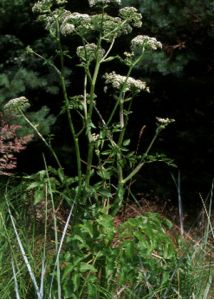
10	144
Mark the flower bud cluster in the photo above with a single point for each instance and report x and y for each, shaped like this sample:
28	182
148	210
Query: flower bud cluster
17	104
78	22
145	42
89	52
128	84
164	122
42	7
67	29
83	24
60	2
51	20
111	27
104	2
131	15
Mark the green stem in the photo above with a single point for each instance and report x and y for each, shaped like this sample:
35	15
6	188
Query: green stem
140	165
46	60
42	138
121	100
89	118
108	51
113	112
122	96
70	122
123	131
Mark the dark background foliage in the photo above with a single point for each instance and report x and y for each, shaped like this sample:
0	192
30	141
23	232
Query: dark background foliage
181	79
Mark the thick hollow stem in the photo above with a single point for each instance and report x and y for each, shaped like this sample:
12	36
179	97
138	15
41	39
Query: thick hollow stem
89	118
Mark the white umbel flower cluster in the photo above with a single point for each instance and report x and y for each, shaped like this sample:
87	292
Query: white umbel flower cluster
164	122
42	6
95	2
144	41
67	29
74	21
118	81
131	15
17	104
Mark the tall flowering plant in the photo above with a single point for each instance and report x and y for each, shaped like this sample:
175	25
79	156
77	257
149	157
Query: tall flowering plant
109	163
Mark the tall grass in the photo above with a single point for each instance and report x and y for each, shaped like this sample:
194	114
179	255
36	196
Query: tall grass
29	258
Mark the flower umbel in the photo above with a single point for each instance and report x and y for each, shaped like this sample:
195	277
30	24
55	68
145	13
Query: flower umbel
17	104
144	41
81	23
67	29
131	15
164	122
131	84
96	2
43	6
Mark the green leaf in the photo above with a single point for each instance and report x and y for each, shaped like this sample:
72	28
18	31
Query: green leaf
87	228
126	142
110	58
38	196
61	174
33	185
78	238
105	193
104	173
76	280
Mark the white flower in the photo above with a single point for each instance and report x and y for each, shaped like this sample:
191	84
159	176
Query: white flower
67	29
78	22
75	18
94	137
144	41
131	15
131	84
95	2
163	122
17	104
42	6
59	2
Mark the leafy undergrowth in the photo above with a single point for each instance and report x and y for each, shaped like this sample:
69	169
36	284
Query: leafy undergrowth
137	254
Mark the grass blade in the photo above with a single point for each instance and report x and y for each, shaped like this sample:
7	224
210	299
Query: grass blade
15	280
24	256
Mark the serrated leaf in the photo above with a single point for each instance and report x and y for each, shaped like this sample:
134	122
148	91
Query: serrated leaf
104	173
